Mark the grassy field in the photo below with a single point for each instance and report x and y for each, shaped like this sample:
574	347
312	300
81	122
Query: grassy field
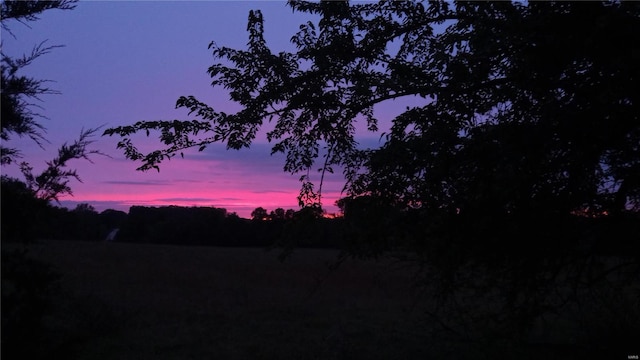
135	301
132	301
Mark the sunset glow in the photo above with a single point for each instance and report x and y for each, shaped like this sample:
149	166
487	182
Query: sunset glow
124	62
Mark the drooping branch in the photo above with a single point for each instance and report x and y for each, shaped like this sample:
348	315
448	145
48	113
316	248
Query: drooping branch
53	181
26	11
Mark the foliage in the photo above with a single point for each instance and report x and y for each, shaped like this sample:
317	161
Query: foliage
215	227
259	213
22	212
24	11
54	180
26	217
519	127
528	107
523	153
85	208
19	114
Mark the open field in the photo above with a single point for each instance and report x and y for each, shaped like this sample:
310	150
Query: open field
131	301
135	301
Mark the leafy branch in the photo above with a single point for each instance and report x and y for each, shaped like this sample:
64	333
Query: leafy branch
53	181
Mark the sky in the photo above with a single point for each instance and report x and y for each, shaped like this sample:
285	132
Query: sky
125	61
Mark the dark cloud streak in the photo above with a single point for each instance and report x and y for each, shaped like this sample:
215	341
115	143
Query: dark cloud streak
138	183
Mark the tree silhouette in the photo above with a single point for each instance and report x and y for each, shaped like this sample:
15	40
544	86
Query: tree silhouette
529	116
19	112
527	107
30	10
277	214
259	213
18	116
85	208
22	211
27	283
289	214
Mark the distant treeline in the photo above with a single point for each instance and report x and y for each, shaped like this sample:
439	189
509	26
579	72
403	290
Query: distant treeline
27	218
363	232
217	227
368	228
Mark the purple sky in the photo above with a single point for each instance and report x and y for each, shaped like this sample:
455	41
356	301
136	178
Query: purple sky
129	61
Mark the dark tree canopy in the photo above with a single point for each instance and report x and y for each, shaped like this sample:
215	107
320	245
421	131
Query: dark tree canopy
259	213
527	107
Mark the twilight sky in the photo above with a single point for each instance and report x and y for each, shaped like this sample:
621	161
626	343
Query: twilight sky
125	61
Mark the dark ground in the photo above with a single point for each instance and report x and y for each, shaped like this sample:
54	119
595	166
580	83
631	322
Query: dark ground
131	301
135	301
